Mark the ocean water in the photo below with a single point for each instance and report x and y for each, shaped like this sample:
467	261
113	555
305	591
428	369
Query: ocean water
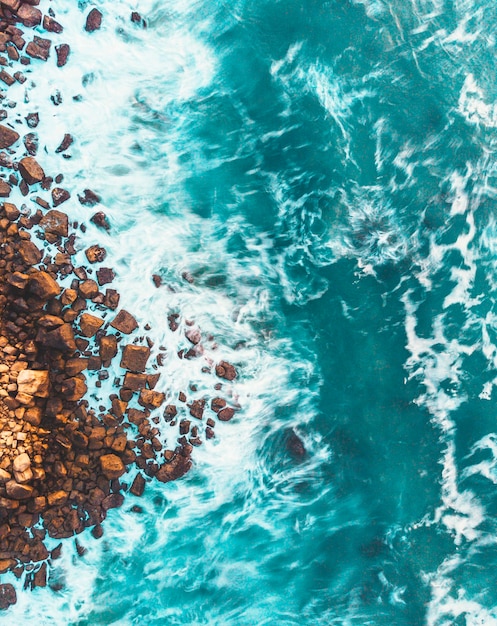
324	174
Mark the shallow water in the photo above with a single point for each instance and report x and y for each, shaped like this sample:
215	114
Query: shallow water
325	172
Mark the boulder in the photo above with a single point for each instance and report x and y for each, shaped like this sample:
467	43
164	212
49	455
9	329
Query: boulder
226	370
59	195
55	222
31	171
74	388
93	21
177	467
89	324
107	347
112	466
30	16
50	25
62	53
5	189
151	399
134	358
138	486
8	596
34	382
16	491
95	254
29	253
8	136
124	322
226	414
60	338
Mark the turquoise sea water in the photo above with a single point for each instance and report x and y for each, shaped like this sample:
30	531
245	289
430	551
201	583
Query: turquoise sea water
325	172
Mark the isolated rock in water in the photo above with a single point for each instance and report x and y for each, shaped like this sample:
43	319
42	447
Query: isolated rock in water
176	468
7	136
34	383
295	445
93	21
89	197
124	322
66	142
59	195
8	596
95	254
226	370
50	25
62	52
31	171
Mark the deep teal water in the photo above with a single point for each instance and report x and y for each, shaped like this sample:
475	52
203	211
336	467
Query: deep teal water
329	171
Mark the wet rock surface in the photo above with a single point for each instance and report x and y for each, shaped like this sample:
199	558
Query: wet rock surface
65	462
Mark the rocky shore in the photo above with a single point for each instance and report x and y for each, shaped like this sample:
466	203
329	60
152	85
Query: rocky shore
63	462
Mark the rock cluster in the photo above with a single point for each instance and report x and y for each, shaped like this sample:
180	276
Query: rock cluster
63	462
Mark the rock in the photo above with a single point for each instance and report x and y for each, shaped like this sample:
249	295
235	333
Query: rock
88	289
31	171
62	53
18	280
73	389
89	324
21	463
11	211
40	577
4	476
93	21
59	196
5	189
135	358
33	415
193	335
29	253
42	285
30	16
226	414
89	197
176	468
151	399
17	491
135	382
51	25
61	338
7	78
138	486
111	299
112	466
124	322
32	120
217	404
100	220
105	275
107	348
157	280
7	136
38	51
95	254
66	142
226	370
295	445
55	222
34	382
197	409
8	596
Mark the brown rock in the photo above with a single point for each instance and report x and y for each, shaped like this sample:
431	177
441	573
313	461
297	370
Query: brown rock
138	486
30	254
18	280
226	370
59	195
135	358
11	211
30	16
88	289
5	189
57	498
112	466
55	222
31	171
95	254
93	21
42	285
107	348
217	404
105	275
51	25
176	468
17	491
100	220
226	414
40	577
135	382
89	324
61	338
111	299
124	322
37	52
76	366
74	388
7	136
62	53
33	415
89	197
34	382
151	399
8	596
